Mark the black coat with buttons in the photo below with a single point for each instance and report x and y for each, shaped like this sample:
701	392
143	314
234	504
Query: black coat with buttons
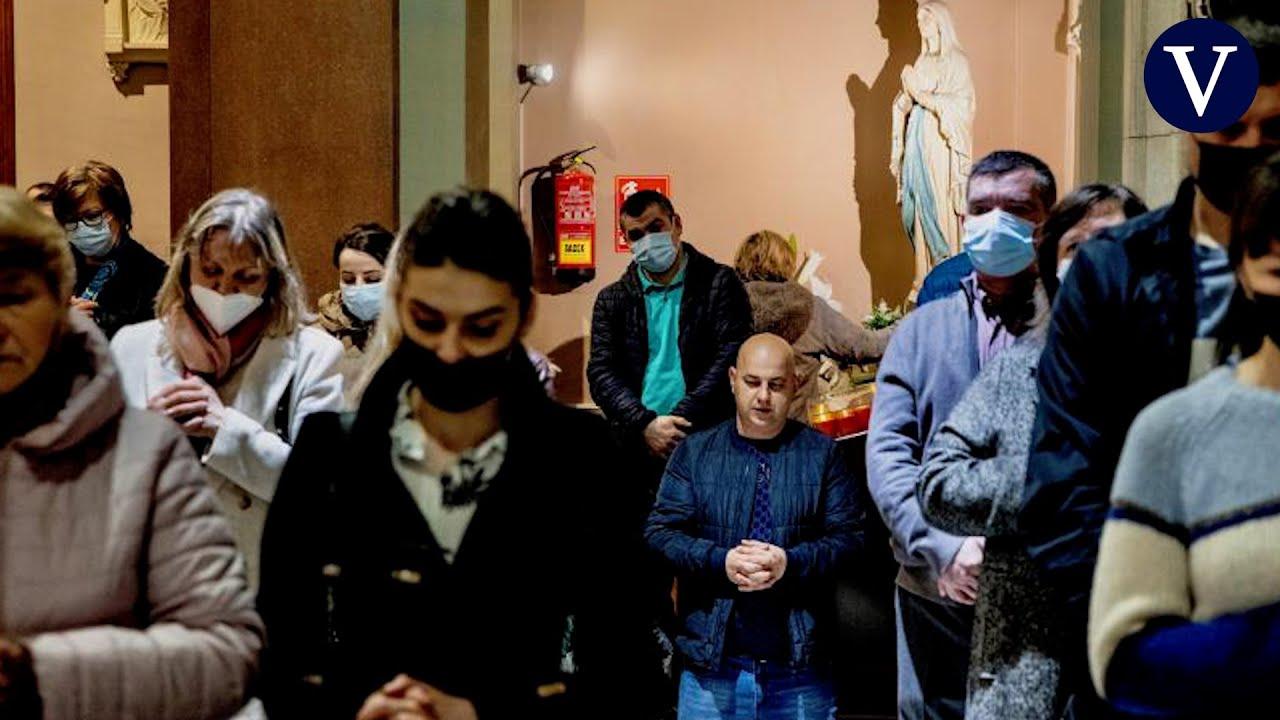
355	589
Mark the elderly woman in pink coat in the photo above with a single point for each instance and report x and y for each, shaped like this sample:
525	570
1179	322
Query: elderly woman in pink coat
121	591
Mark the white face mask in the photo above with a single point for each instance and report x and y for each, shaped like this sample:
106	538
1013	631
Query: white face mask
223	312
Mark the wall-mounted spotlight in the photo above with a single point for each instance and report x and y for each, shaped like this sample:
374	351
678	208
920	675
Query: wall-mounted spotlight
540	74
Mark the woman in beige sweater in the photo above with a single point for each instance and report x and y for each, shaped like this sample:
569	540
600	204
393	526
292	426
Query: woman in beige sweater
121	591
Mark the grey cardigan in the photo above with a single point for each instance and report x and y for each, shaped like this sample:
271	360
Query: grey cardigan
972	484
931	360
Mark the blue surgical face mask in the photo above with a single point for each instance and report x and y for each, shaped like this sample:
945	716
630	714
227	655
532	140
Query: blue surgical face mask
655	252
363	301
91	239
1000	244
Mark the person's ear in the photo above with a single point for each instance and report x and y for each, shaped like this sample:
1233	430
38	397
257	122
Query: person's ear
733	376
678	225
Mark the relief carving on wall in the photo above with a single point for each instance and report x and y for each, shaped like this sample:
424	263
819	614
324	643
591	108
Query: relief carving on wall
1075	25
136	32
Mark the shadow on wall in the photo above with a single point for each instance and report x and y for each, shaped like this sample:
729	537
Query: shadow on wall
142	76
885	248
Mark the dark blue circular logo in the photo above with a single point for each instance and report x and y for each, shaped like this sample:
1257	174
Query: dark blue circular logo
1201	75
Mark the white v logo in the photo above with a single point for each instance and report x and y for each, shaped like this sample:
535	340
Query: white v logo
1199	98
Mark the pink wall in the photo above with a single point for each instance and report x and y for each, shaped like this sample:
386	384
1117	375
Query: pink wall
69	110
770	113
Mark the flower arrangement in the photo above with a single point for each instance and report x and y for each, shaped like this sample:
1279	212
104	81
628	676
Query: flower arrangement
882	316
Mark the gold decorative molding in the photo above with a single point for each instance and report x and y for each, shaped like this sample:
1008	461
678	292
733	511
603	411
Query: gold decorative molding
135	32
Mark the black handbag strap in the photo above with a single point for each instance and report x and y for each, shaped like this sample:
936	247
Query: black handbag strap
283	416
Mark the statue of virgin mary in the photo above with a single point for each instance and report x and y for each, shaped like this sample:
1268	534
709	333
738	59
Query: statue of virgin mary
933	141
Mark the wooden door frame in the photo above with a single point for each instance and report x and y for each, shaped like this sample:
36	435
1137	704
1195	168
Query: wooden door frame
8	133
190	106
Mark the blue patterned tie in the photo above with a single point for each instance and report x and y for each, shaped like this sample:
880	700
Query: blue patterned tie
761	512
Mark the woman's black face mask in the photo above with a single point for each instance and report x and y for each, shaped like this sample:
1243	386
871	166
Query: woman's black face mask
1225	169
454	387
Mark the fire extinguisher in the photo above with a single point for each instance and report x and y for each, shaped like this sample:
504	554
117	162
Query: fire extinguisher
563	215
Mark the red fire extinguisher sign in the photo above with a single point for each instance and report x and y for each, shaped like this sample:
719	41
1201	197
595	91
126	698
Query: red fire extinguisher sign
624	186
575	219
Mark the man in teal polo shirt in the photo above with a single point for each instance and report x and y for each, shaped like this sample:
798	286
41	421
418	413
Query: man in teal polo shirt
663	377
664	336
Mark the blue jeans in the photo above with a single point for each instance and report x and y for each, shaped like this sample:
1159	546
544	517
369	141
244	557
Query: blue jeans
747	690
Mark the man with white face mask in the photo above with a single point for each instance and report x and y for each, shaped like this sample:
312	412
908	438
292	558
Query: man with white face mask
931	360
664	336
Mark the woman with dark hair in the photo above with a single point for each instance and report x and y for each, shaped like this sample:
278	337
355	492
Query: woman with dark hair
426	555
116	278
349	313
972	483
123	593
1184	620
360	257
1076	218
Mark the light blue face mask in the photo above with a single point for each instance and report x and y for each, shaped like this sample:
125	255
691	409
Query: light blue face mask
1000	244
363	301
655	252
91	239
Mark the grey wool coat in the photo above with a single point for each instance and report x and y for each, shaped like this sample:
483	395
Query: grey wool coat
971	484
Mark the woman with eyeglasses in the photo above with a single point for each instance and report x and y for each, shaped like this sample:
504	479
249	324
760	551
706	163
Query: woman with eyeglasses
116	278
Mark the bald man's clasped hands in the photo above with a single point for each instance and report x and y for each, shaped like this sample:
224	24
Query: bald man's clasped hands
764	381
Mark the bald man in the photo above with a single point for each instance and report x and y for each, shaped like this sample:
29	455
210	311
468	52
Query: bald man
756	516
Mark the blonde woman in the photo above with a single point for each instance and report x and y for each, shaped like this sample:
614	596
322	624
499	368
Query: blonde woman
123	594
229	357
766	263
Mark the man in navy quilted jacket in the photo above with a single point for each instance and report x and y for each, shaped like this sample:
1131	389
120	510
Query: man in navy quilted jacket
756	516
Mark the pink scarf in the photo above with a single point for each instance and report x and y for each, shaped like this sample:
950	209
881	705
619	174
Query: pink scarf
204	352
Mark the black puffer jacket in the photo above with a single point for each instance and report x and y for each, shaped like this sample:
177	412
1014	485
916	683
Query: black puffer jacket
715	318
129	297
